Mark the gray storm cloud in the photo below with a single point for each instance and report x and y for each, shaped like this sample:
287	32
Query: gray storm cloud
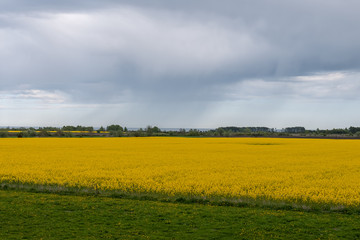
143	52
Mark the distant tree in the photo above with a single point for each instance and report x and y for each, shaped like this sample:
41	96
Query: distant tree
151	130
68	128
339	131
354	130
90	129
31	132
83	128
44	133
100	129
118	133
59	133
182	131
49	128
68	134
139	133
295	130
114	128
246	130
194	132
220	132
3	134
155	129
77	128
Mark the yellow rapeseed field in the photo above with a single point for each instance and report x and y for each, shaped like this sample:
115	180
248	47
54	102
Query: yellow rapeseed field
295	170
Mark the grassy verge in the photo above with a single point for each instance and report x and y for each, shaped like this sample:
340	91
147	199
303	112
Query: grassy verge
27	215
190	199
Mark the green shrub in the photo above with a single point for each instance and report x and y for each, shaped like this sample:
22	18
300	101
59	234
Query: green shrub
3	134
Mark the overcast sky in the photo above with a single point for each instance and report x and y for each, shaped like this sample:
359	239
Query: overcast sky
189	63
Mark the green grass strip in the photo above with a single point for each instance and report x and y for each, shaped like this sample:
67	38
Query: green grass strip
187	199
26	215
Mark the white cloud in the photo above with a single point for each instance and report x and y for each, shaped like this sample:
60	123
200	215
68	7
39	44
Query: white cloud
329	85
33	96
187	55
77	46
322	77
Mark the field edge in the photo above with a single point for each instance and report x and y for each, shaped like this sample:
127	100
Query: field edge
189	199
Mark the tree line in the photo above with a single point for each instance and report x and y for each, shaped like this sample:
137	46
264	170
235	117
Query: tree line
116	130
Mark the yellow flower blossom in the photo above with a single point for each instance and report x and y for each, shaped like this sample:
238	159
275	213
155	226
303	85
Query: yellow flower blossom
305	170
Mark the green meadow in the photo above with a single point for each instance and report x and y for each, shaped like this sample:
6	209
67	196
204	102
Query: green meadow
27	215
